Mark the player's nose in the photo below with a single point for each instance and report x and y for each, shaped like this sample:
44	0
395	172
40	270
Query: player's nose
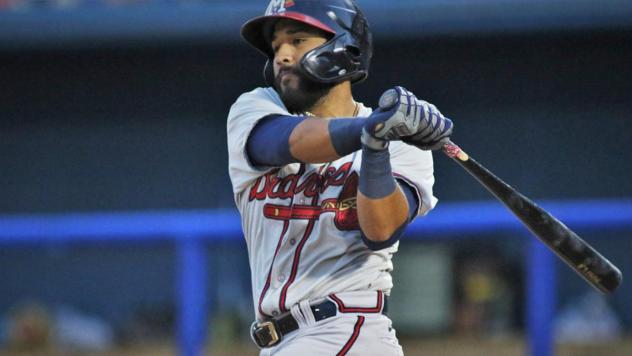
284	55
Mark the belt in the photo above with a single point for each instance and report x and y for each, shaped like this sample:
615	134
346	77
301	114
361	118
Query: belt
271	331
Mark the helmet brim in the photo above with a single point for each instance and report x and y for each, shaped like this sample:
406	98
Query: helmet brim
254	30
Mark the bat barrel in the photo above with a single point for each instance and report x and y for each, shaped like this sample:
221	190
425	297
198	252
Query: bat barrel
577	253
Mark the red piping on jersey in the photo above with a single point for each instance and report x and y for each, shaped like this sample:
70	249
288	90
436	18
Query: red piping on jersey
297	256
344	309
353	338
286	224
414	186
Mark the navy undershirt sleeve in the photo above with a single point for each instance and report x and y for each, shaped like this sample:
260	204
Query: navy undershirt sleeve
411	197
413	207
268	143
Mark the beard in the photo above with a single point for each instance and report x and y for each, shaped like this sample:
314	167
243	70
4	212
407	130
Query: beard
305	95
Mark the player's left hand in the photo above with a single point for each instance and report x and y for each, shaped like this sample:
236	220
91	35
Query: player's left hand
401	116
435	130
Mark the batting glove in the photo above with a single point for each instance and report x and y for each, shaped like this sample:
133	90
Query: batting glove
401	116
434	130
396	117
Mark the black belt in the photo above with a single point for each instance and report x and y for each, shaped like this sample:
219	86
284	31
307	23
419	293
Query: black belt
270	332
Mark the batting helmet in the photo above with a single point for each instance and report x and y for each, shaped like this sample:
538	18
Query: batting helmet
345	56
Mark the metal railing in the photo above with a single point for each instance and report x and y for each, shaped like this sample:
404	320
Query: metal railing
191	231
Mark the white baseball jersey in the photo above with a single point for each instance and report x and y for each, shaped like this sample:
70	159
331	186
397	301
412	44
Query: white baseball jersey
300	220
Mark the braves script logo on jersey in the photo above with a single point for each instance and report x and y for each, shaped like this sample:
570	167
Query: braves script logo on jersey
272	186
277	6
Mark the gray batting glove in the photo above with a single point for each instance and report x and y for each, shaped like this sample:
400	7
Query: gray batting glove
398	116
401	116
435	130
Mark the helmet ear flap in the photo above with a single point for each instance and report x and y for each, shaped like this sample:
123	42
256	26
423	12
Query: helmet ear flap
268	73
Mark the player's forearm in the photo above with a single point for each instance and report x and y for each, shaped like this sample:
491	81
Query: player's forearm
324	140
381	218
310	142
278	140
383	208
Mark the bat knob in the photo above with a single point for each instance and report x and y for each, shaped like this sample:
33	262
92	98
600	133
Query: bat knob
389	99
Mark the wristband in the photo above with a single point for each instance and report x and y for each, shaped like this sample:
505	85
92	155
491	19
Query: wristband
345	134
376	176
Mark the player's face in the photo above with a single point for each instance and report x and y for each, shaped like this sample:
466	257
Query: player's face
290	41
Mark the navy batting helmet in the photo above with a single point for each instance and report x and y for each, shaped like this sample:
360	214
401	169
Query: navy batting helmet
345	56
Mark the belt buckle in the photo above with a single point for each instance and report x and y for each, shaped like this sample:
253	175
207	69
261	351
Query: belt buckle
270	326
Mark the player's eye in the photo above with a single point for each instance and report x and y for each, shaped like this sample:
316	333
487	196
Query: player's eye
298	41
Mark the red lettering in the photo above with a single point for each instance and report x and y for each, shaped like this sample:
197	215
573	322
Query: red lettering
254	193
273	186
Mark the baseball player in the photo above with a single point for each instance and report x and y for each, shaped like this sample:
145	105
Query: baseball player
325	186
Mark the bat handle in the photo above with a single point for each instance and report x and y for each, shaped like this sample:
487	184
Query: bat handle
453	151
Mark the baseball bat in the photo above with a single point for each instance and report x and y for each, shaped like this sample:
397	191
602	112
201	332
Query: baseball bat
577	253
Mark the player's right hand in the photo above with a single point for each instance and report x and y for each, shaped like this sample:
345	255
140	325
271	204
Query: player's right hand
401	116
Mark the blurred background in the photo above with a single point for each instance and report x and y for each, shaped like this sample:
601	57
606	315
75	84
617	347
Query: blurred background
118	108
